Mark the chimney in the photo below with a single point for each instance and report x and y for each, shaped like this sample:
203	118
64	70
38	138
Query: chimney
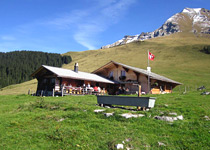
76	67
149	69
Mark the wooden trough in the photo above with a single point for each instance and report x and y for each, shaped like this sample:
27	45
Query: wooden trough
147	102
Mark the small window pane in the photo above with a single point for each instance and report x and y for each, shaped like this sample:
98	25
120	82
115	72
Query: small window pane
123	73
111	74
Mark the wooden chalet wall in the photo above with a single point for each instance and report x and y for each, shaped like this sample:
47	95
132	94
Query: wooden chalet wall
124	76
133	78
46	82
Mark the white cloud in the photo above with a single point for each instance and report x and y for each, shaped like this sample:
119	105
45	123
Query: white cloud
83	25
89	23
87	33
117	9
8	38
67	20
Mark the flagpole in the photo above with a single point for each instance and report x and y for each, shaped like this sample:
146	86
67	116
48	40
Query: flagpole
148	58
148	73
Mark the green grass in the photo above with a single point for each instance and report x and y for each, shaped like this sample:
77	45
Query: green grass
28	122
21	88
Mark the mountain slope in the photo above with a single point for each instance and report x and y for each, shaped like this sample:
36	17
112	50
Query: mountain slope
196	21
177	57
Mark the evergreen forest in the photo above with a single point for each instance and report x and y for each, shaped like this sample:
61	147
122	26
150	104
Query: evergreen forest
17	66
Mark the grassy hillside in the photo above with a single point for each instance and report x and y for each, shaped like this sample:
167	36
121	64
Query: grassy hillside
177	57
29	122
21	88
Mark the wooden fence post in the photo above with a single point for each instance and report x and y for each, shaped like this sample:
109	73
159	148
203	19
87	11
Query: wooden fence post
139	93
62	91
53	92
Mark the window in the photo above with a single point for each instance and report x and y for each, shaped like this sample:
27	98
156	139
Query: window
123	73
53	80
123	76
111	74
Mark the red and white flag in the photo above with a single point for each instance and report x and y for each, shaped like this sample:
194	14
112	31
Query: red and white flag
151	56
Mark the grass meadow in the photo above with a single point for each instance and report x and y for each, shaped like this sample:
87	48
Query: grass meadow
30	122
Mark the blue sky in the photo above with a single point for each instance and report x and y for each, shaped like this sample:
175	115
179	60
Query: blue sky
60	26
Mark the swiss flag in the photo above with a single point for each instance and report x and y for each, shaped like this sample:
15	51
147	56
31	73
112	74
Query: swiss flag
151	56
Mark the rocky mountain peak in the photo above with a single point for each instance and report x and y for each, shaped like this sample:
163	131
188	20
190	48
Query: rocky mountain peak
192	10
196	20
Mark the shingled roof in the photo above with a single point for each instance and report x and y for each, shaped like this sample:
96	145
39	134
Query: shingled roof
141	71
66	73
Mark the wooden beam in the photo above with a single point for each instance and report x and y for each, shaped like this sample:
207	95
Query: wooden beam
116	65
126	69
106	70
137	75
49	76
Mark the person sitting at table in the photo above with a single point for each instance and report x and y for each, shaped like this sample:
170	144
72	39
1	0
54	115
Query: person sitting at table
95	89
99	89
119	90
127	91
88	85
84	85
86	90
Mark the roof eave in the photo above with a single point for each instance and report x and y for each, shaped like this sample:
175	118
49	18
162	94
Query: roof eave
146	73
110	82
36	71
103	66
